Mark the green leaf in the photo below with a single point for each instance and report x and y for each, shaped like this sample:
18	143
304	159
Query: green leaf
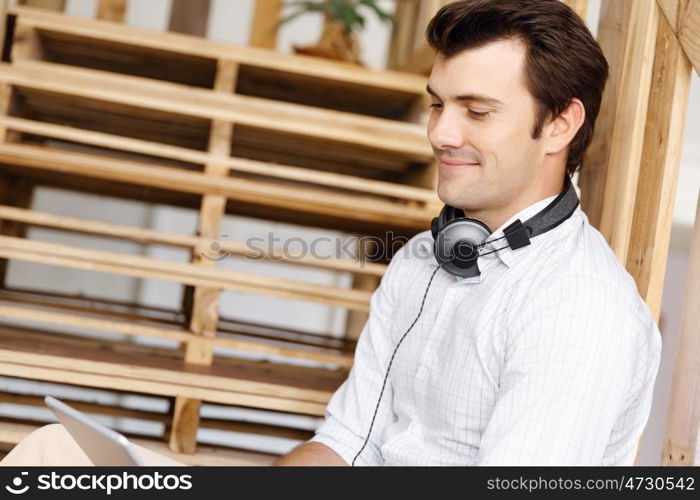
377	10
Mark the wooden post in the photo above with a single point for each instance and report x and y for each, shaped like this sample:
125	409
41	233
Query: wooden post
683	423
612	33
628	132
111	10
356	320
579	6
189	17
661	158
263	31
3	22
402	42
204	313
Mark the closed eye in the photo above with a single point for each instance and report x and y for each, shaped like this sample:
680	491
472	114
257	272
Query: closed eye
475	114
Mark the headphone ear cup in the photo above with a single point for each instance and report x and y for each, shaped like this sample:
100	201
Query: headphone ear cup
435	227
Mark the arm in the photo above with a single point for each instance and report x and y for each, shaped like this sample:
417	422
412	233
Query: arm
310	453
574	356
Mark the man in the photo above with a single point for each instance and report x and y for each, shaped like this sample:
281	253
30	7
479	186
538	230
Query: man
549	355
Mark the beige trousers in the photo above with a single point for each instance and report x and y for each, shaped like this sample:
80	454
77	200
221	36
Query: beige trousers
53	445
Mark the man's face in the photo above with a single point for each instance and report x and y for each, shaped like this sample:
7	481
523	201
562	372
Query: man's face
500	162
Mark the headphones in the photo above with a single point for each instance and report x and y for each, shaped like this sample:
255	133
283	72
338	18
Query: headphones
458	238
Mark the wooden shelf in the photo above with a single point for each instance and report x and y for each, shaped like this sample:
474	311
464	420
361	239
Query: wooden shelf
163	118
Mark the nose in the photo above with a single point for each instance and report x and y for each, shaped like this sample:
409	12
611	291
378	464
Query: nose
444	132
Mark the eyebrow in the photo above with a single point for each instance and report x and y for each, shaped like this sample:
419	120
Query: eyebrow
484	99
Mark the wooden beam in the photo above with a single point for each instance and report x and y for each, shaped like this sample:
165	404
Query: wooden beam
186	273
355	207
579	6
18	192
150	236
189	17
132	328
689	31
401	139
402	43
133	38
203	312
661	158
355	321
3	23
628	132
612	33
55	5
683	421
670	11
111	10
684	18
263	30
235	165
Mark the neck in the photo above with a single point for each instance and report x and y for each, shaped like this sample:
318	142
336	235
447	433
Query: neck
495	218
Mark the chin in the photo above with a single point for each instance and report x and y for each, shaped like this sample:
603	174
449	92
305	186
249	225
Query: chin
456	197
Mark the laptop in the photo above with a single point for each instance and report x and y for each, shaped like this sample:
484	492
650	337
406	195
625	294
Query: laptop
103	446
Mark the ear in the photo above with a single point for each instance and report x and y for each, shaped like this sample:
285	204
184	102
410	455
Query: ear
561	131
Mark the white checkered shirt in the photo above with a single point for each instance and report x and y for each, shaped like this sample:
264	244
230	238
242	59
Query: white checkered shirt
547	358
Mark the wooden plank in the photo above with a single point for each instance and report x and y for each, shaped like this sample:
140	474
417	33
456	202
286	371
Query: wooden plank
355	321
135	314
235	165
184	44
308	200
134	329
670	11
401	44
612	33
139	363
204	311
263	29
3	24
150	236
405	140
111	10
689	31
579	6
55	5
145	267
628	132
682	428
18	192
658	177
189	17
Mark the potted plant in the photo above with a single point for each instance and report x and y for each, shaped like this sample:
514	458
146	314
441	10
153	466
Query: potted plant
342	20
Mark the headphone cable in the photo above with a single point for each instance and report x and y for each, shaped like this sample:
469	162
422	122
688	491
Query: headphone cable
386	376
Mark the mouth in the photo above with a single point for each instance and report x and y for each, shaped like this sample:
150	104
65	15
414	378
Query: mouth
453	165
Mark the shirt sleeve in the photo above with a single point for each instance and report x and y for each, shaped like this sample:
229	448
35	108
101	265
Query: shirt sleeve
351	408
570	357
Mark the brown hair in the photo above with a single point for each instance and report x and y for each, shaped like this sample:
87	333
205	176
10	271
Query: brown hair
563	59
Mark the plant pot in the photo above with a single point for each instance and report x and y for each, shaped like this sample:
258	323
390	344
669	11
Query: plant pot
336	42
